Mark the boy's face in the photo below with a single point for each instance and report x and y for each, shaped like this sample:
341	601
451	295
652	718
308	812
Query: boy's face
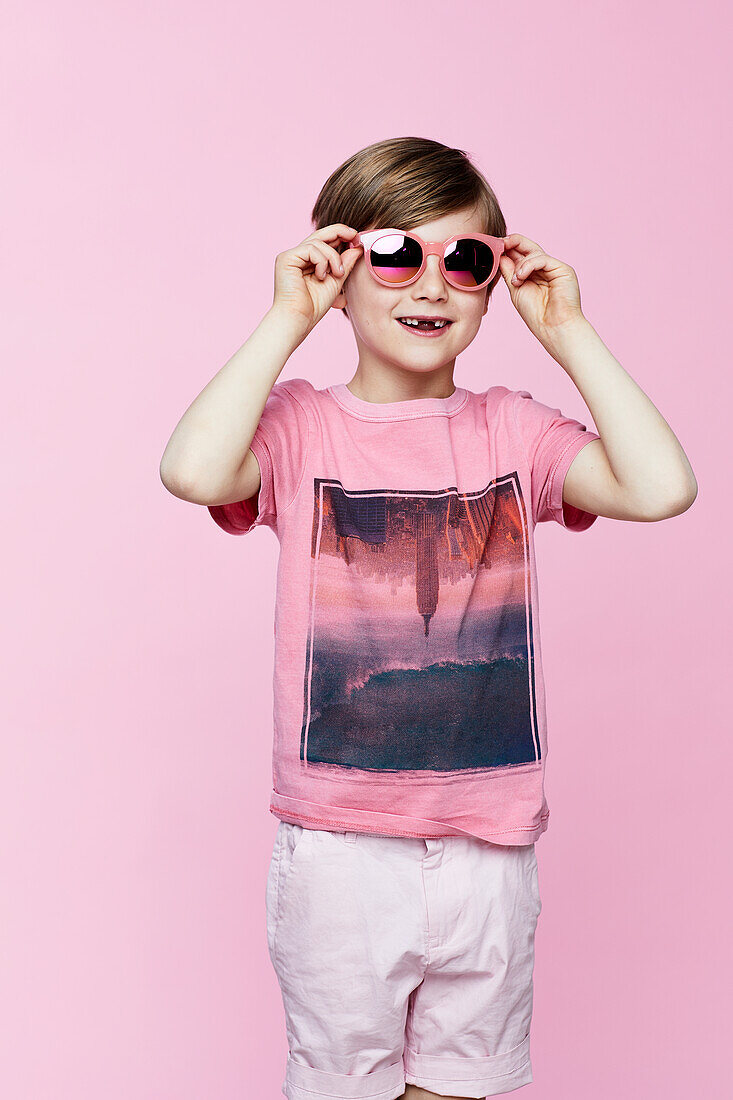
373	309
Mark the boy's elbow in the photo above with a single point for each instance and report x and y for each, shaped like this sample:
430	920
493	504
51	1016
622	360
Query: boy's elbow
175	484
688	497
679	505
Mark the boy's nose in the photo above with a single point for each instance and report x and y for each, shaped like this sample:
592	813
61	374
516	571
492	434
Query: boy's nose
432	277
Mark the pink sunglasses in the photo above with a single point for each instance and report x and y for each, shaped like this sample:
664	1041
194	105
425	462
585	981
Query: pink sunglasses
397	258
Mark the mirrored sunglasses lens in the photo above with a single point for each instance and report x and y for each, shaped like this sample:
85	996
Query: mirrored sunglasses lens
396	258
469	262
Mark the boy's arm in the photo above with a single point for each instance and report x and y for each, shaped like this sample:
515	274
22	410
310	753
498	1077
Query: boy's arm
208	458
637	470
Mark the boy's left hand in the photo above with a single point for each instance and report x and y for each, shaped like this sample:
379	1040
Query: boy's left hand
547	295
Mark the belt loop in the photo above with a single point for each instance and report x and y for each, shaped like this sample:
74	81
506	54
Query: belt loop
350	837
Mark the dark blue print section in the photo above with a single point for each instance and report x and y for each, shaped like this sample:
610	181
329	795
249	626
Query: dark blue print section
433	669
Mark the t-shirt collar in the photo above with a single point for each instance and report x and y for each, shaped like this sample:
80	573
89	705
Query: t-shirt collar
398	410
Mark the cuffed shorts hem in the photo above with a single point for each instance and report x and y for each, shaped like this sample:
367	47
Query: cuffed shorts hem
475	1077
470	1076
305	1083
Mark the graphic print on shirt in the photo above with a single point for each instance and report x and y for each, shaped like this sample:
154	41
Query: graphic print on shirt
420	645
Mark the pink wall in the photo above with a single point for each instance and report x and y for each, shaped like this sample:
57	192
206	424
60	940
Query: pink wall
156	158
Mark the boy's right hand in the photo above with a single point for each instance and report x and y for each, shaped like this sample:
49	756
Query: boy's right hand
307	279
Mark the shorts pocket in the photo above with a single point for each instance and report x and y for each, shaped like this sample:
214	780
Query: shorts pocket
535	881
288	840
529	880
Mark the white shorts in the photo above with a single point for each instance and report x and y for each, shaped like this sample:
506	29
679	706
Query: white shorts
402	959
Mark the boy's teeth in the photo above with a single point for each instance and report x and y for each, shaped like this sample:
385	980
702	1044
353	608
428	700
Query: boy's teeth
413	321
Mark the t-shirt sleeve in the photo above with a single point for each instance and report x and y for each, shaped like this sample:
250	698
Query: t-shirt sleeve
551	441
280	445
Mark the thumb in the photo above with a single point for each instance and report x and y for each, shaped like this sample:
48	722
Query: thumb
350	257
507	265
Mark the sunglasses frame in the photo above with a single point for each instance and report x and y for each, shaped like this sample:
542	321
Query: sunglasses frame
429	248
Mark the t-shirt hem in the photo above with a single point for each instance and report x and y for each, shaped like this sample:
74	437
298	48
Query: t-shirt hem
312	815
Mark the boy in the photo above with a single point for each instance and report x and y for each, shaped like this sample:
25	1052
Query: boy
410	733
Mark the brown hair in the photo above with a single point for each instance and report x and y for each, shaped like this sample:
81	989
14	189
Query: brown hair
406	181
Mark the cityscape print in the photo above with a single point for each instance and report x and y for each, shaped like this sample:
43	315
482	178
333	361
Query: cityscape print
420	637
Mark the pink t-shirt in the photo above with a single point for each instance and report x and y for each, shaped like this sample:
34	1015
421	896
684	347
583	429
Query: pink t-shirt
408	689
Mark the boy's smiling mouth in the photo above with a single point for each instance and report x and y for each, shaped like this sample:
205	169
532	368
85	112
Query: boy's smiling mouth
425	326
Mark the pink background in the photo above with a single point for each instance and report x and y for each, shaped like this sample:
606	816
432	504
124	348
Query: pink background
156	157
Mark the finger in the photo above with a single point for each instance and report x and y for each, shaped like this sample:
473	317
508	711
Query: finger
321	268
320	263
328	257
335	232
519	255
525	267
350	260
309	254
507	266
523	270
341	263
351	252
335	258
516	242
510	263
